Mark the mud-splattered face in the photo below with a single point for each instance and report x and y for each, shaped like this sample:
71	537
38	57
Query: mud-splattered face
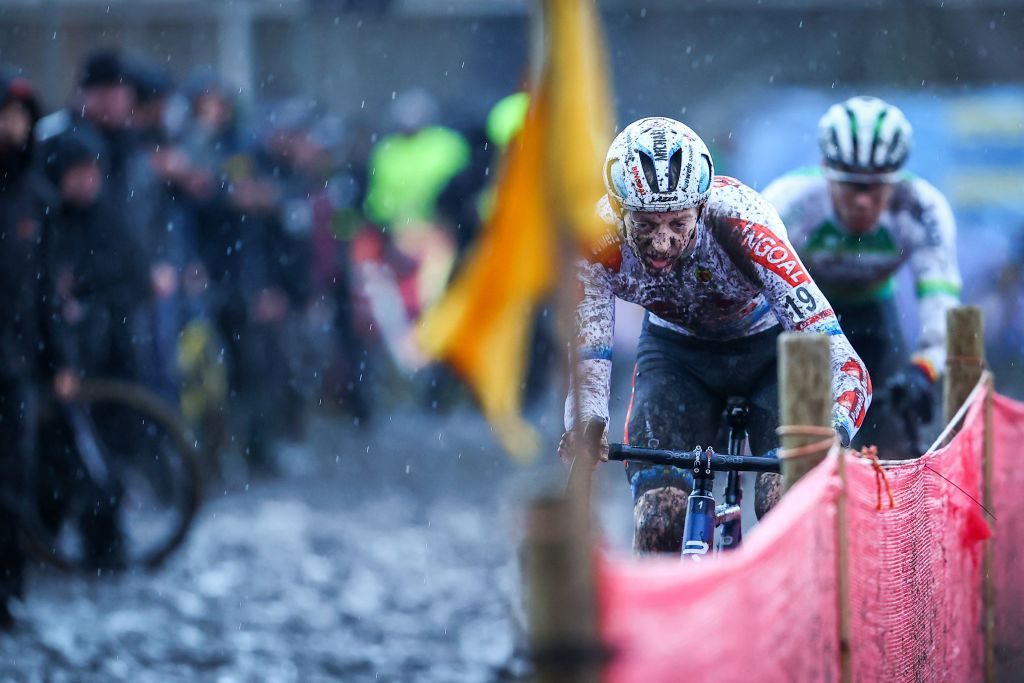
660	238
859	205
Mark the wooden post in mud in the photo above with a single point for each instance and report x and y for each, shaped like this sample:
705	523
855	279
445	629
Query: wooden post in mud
988	614
805	402
965	367
965	357
561	595
805	398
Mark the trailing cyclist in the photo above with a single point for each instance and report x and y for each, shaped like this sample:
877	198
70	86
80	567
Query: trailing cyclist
709	259
855	221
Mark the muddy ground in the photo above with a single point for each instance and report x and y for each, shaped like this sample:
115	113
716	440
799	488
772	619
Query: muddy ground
381	554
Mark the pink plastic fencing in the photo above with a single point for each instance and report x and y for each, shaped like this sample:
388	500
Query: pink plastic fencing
915	569
756	614
769	612
1008	544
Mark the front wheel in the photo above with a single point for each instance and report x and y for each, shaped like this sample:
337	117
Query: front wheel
120	487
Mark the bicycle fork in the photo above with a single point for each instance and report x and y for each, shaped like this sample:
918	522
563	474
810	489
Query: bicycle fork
701	516
699	527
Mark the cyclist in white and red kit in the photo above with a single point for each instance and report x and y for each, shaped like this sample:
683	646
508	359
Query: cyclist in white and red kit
710	260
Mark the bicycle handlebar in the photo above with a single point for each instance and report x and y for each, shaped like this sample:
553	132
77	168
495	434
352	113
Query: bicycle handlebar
695	459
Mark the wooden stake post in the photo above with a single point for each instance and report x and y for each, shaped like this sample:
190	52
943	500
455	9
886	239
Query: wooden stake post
965	360
805	397
988	616
805	400
561	600
965	365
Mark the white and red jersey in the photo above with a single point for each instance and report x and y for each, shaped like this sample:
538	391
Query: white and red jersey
739	277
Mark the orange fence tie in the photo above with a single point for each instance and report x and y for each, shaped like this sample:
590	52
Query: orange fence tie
814	448
871	453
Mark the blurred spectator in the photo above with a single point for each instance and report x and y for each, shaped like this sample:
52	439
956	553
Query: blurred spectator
467	199
89	152
100	279
23	201
169	189
406	267
467	202
410	168
257	269
348	379
153	86
103	105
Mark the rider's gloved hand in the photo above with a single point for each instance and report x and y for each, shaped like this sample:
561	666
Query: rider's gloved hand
591	436
911	391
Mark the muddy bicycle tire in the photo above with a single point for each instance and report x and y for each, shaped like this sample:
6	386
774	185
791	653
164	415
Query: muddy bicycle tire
39	543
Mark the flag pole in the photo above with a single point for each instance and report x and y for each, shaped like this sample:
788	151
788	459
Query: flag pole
564	616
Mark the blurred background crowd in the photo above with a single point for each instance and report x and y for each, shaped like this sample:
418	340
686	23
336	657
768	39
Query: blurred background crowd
262	256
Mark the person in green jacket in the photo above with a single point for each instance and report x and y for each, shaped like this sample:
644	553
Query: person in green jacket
410	167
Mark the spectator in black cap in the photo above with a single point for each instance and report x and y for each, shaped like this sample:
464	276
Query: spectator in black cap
98	195
152	86
107	93
103	105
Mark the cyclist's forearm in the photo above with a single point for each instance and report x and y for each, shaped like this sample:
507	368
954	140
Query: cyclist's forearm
593	388
590	381
851	386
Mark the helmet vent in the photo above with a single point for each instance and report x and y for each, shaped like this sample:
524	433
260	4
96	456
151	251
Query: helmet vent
611	181
893	146
647	164
853	134
705	174
675	165
875	137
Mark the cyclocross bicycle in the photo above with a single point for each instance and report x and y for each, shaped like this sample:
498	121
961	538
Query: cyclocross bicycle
703	515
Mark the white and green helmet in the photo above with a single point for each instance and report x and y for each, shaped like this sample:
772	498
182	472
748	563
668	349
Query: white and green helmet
658	164
864	139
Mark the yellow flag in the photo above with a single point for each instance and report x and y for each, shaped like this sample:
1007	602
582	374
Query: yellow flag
482	325
551	178
581	117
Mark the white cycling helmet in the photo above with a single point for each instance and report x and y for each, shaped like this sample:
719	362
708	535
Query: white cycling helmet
864	139
657	164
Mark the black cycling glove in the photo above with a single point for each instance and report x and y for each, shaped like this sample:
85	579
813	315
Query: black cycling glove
911	391
844	436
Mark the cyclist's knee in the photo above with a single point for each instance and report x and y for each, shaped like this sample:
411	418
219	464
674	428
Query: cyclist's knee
659	515
767	492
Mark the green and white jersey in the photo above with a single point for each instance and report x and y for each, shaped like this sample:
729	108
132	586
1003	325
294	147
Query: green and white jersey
916	228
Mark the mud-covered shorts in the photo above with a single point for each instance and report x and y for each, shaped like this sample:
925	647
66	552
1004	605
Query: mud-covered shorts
680	388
